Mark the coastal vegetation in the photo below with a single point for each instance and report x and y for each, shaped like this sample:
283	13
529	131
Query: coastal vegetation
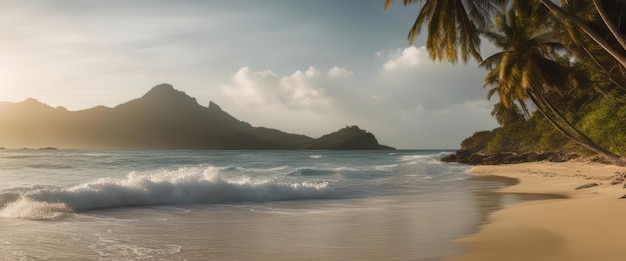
560	73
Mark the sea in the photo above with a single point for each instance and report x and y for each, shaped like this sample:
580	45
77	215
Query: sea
239	205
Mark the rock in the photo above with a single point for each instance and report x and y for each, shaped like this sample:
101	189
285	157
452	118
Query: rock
617	181
562	157
477	158
623	197
624	186
588	185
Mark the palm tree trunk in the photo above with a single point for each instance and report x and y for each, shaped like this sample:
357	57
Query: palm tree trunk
559	12
605	17
544	106
560	116
606	72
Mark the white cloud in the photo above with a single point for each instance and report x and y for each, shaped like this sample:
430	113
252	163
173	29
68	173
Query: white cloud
406	59
301	90
249	87
298	91
338	72
304	102
312	103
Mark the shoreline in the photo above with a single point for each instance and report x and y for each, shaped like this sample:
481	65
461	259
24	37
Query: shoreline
584	225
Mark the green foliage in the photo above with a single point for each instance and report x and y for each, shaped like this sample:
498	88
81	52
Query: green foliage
534	65
544	136
566	58
601	118
506	115
478	141
606	123
533	135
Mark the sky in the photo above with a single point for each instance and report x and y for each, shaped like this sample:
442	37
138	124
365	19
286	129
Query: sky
306	67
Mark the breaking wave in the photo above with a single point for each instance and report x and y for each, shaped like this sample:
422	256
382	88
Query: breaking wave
428	158
177	187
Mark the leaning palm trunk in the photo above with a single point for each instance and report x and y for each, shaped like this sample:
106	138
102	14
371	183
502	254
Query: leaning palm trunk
603	69
566	128
609	24
614	52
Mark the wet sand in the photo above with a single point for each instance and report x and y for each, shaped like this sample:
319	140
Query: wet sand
585	224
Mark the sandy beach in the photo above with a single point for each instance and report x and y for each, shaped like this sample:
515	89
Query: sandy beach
588	225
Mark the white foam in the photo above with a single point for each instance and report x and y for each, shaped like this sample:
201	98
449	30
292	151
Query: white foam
182	186
26	208
107	245
428	158
388	167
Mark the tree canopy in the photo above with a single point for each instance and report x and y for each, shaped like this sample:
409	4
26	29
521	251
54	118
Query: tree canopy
567	59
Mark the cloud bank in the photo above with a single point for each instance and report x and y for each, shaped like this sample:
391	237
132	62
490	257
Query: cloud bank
392	104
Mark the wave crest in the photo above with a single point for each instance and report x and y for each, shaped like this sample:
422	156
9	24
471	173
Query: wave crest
182	186
423	158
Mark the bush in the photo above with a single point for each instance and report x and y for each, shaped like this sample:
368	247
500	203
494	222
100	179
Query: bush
606	124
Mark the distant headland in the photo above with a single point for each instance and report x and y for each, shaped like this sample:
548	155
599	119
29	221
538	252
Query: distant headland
163	118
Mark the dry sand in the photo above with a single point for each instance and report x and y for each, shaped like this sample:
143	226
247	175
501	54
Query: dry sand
589	225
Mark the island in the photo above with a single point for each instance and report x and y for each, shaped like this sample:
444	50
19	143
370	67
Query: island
163	118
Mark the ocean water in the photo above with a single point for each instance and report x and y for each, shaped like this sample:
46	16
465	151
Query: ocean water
237	205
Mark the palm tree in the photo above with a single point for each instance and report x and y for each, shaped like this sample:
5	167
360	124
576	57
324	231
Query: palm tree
593	56
454	29
617	51
453	26
526	69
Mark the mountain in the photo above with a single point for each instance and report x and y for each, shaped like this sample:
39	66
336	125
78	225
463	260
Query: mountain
163	118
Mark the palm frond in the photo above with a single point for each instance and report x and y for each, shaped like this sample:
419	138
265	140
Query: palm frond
481	11
492	61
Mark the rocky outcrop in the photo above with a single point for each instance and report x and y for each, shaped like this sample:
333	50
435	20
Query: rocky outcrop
618	178
588	185
477	158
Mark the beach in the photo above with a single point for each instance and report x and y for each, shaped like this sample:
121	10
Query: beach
587	225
